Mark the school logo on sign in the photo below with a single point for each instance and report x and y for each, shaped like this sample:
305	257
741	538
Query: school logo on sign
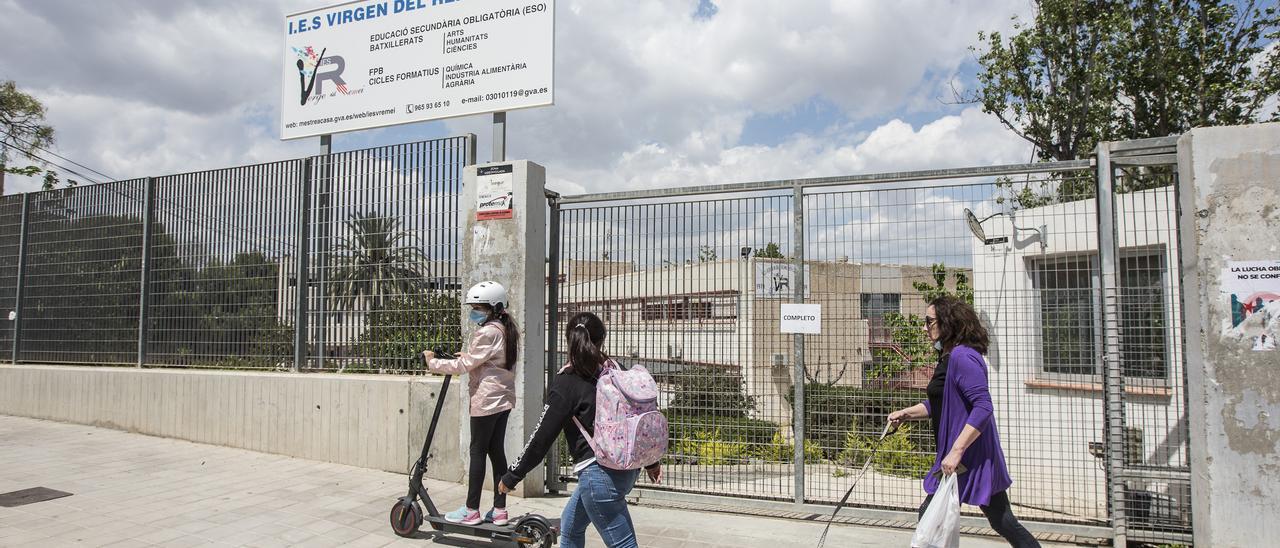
778	280
314	69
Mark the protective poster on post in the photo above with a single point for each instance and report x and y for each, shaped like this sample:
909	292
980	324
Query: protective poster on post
375	63
495	197
1253	290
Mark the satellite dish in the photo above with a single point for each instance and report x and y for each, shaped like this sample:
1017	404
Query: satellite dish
975	225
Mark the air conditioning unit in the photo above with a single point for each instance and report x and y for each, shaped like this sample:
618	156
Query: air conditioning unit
779	359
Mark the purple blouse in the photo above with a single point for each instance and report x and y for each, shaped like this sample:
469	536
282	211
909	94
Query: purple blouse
967	400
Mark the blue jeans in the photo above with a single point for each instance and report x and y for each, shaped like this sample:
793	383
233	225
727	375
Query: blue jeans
600	499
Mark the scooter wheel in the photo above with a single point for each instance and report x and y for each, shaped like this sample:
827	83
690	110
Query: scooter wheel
535	533
406	518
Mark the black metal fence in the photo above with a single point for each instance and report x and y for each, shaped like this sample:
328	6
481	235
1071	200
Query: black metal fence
202	269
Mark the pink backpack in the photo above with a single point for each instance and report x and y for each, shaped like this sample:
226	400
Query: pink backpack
630	431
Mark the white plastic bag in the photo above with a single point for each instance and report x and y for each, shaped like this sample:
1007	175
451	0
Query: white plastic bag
939	527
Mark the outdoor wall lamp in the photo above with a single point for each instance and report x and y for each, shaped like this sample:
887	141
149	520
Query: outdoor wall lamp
975	226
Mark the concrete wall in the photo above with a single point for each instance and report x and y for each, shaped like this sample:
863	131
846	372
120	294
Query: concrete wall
1231	204
361	420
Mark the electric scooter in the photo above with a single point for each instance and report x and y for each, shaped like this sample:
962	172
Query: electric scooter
530	530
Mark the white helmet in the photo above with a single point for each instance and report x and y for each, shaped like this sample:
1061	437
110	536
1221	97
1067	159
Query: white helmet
490	293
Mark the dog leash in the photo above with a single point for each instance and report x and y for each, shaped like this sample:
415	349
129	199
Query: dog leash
883	434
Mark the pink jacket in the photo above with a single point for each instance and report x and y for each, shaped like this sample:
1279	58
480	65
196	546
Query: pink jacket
492	386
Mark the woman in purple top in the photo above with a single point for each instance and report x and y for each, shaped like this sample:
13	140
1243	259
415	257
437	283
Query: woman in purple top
959	407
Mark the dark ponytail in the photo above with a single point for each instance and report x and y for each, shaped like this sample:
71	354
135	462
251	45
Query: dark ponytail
510	334
585	333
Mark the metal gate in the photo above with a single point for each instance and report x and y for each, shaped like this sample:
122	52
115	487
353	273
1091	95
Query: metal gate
1072	265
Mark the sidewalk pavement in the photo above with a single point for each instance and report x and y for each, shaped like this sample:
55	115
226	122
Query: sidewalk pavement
136	490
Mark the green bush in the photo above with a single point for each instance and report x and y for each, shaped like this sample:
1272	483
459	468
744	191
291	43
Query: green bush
780	450
405	326
896	456
708	448
749	431
709	439
710	391
832	412
271	348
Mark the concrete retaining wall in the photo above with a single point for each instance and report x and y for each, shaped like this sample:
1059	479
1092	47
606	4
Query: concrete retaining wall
369	421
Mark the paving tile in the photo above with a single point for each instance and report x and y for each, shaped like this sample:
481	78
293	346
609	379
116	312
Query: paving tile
145	490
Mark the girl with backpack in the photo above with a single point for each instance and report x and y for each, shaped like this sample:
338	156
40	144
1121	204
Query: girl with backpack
489	358
600	497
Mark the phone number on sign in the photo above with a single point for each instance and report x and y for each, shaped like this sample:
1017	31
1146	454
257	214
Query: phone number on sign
505	95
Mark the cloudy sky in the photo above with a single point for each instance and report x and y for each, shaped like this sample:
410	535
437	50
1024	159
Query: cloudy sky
715	91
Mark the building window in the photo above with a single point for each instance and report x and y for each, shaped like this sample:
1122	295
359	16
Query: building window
876	305
653	312
874	308
1070	324
700	310
1067	316
1144	326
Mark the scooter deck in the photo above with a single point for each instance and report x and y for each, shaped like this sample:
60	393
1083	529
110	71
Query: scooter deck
485	529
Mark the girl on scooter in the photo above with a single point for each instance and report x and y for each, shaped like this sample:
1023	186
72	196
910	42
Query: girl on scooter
489	358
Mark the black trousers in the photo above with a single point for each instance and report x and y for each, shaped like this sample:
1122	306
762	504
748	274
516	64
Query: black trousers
1000	516
487	436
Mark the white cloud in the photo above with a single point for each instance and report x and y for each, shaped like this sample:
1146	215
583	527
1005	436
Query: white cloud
968	139
647	95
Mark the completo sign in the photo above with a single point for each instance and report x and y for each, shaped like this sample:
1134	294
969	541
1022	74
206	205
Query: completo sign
801	318
375	63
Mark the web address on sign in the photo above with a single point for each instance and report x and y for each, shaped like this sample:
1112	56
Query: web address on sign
342	118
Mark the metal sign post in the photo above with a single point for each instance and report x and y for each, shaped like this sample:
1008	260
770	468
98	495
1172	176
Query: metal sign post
499	136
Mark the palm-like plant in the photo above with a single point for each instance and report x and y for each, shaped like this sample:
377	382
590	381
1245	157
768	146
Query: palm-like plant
376	262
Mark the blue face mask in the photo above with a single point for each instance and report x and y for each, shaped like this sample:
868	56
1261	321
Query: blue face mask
478	316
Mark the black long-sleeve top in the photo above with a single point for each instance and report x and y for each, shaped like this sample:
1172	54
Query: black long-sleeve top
570	396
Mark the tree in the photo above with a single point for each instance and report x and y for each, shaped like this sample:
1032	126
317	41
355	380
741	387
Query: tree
911	347
770	251
377	262
22	133
1086	71
81	294
1189	64
706	254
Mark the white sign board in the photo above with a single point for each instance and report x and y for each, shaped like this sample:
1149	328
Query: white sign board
778	280
375	63
494	195
801	318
